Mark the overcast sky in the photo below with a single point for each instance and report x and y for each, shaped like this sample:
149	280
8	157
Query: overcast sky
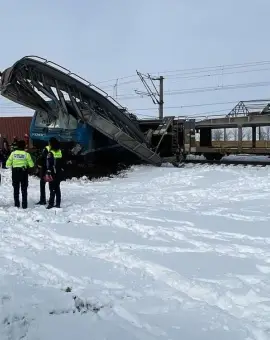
110	39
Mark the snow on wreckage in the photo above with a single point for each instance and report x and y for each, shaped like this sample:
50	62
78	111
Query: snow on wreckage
94	128
56	91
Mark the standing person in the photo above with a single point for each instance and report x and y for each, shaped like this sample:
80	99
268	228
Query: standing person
54	170
14	144
20	161
1	164
41	163
26	139
5	152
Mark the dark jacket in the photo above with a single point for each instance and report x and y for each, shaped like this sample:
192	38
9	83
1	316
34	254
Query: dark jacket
55	165
5	148
41	162
14	145
45	165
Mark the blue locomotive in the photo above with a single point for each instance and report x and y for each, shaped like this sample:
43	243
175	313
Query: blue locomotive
88	144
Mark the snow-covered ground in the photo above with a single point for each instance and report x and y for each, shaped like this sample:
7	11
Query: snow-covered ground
160	253
241	157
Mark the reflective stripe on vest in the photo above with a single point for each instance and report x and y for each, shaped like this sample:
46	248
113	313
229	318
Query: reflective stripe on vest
19	159
56	154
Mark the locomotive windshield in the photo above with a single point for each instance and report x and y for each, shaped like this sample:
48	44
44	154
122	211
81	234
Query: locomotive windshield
63	121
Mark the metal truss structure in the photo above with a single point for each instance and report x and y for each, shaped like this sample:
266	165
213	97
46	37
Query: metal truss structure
250	107
33	79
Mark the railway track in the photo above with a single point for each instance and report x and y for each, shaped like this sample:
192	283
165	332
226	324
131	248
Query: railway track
225	162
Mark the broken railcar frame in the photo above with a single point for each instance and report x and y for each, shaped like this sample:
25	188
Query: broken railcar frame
27	78
21	82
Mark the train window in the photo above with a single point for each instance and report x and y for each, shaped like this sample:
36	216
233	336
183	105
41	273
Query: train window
42	119
63	121
73	123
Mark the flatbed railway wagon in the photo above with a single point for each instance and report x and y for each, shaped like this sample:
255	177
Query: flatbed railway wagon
222	136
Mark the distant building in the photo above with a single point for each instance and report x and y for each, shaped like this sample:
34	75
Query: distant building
14	126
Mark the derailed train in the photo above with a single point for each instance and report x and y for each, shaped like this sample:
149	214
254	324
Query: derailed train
167	136
93	128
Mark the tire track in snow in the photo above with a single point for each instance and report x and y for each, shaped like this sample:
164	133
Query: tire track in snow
112	253
198	292
178	237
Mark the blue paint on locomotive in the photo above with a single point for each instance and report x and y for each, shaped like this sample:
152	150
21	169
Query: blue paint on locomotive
68	129
76	132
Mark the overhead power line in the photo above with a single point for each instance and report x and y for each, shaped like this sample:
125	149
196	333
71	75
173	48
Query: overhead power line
149	108
199	113
188	106
194	70
12	106
221	73
218	67
183	76
203	89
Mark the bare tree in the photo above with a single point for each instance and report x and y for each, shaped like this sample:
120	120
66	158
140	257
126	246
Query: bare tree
265	133
226	134
217	134
234	134
246	134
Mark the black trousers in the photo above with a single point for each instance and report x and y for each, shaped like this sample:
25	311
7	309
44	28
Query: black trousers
42	185
20	182
4	163
55	192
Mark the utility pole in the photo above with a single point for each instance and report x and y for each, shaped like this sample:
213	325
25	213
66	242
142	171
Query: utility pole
115	89
156	95
161	102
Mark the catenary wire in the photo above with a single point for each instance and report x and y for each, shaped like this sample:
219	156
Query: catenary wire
202	89
194	70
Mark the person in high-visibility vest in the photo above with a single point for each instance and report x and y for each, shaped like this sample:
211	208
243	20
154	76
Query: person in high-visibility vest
20	161
54	173
41	163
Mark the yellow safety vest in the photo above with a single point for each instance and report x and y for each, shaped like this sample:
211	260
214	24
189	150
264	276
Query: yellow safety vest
20	159
56	154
